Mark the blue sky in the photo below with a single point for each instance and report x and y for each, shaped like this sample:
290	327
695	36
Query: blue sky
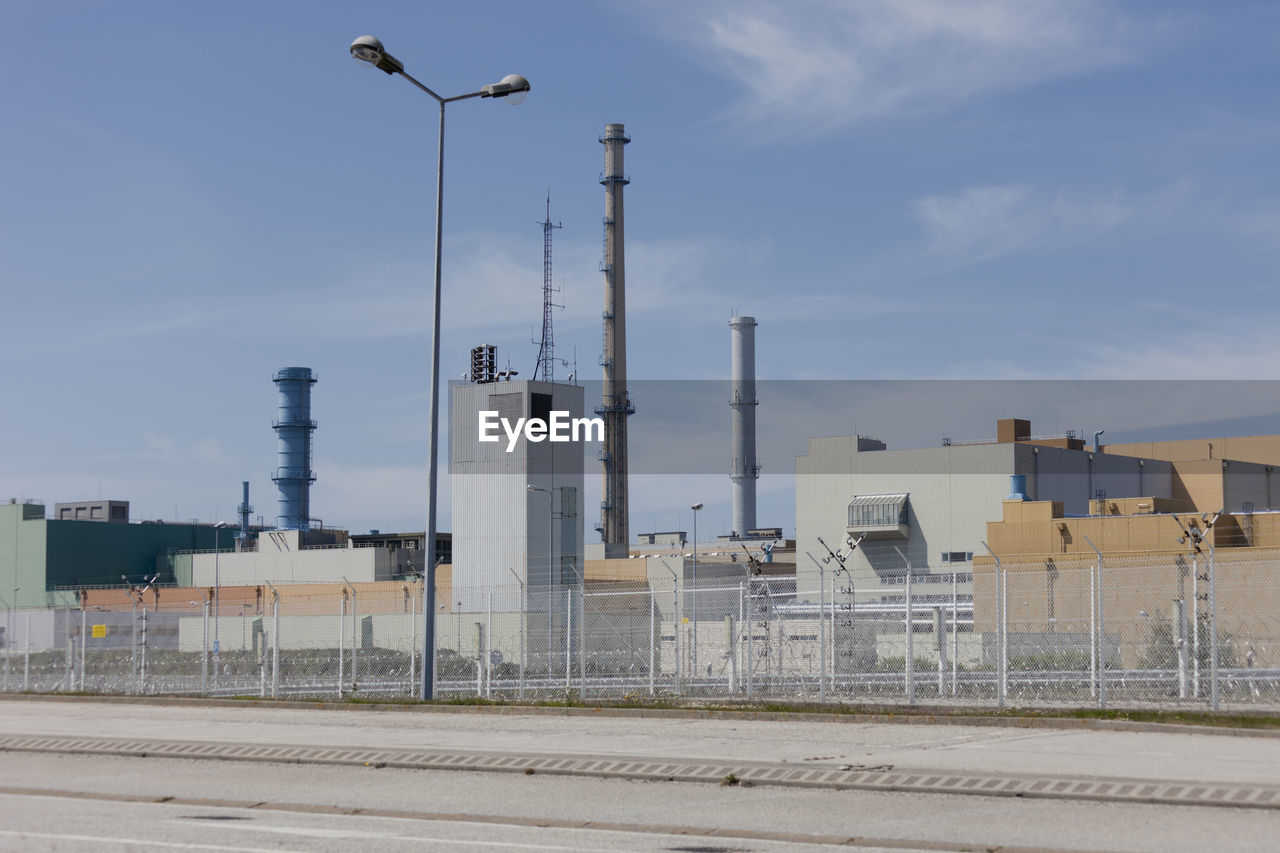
196	195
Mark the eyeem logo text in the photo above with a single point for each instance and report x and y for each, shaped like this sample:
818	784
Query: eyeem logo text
560	428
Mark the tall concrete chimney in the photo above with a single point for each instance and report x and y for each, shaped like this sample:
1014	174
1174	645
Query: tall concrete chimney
743	469
615	405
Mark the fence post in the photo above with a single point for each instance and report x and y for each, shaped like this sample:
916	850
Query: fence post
582	639
355	638
413	642
831	646
940	640
955	630
1213	633
911	647
1002	663
1180	643
1004	633
733	656
133	647
652	637
751	658
822	637
8	645
1195	625
523	623
1093	630
204	650
568	638
26	651
678	607
275	646
488	632
1101	637
84	642
342	627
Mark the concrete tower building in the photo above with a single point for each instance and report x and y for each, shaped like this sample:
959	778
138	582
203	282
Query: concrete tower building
743	468
293	475
516	509
615	406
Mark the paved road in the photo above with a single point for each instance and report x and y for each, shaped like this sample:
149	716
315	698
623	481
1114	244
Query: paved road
51	801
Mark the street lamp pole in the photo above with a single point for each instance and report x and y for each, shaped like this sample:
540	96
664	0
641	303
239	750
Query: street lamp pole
513	87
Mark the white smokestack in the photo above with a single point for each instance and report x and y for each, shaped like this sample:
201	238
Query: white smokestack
743	469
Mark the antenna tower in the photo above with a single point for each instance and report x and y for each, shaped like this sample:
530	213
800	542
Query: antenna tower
547	349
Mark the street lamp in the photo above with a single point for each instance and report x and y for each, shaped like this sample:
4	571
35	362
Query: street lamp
513	88
695	509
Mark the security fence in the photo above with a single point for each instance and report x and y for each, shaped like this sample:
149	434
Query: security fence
1190	630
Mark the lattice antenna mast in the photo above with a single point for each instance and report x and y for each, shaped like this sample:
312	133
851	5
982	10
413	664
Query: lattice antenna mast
547	349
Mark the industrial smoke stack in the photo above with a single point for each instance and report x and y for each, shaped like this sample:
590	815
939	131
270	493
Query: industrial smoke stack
293	475
244	510
615	405
743	469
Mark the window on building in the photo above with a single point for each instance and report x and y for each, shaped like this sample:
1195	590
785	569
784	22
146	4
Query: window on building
871	512
540	406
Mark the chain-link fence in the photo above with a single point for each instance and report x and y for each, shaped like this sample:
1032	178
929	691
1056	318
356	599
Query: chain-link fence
1191	630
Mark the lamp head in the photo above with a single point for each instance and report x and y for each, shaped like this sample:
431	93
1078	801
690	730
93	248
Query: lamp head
369	50
696	507
513	87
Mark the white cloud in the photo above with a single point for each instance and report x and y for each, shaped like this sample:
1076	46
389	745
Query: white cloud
1199	349
979	223
828	63
494	286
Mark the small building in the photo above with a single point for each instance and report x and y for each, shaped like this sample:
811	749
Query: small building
116	512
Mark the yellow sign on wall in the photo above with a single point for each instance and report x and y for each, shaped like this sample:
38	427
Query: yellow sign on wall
99	631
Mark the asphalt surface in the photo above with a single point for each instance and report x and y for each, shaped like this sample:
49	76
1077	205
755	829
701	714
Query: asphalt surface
78	801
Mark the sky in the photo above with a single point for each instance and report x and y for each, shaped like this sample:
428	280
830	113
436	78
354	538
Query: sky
196	195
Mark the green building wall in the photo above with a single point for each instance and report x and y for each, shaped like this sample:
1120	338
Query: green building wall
38	554
22	554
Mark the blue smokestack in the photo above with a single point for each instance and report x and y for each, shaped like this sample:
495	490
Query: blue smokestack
293	476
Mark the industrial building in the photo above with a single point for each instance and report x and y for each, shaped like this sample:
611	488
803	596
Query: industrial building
45	559
517	509
929	506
